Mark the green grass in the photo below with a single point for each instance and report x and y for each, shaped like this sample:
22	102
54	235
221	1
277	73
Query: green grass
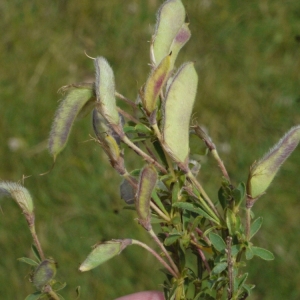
248	63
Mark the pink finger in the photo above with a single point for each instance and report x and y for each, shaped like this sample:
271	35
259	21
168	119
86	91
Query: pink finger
149	295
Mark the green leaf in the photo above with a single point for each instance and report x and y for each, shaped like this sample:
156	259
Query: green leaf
103	252
239	194
158	202
70	107
263	172
105	90
28	261
220	267
230	221
255	226
177	108
263	253
249	253
170	19
147	182
239	281
171	239
36	253
217	242
34	296
192	208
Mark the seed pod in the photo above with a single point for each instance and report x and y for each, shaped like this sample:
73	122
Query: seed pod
105	90
170	19
263	172
70	107
19	194
177	110
44	273
108	139
103	252
155	83
147	182
181	38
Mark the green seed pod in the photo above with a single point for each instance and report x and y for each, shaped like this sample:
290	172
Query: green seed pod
170	19
19	194
103	252
155	83
105	90
44	273
177	109
70	107
263	172
181	38
147	182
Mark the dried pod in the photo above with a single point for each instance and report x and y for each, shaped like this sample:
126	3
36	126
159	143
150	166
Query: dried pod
103	252
155	83
127	192
105	90
70	107
170	19
147	182
19	194
263	172
44	273
177	109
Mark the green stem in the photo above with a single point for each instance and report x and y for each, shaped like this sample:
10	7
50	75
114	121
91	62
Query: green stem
169	161
158	257
248	222
149	159
205	196
162	247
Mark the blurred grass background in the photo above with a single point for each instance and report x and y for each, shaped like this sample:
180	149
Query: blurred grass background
248	59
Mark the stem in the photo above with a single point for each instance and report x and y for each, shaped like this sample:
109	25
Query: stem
48	289
200	188
230	267
128	116
215	154
162	247
201	254
149	159
30	221
120	96
136	242
170	164
248	222
159	212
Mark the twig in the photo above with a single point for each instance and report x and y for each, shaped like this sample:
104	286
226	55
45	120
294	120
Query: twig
135	242
230	267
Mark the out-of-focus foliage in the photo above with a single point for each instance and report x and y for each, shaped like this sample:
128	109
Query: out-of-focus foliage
247	56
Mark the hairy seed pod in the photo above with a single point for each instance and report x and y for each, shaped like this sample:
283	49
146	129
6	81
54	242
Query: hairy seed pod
170	19
19	193
105	90
177	109
263	172
69	109
103	252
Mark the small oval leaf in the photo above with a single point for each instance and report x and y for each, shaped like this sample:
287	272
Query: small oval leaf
263	253
255	226
217	241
